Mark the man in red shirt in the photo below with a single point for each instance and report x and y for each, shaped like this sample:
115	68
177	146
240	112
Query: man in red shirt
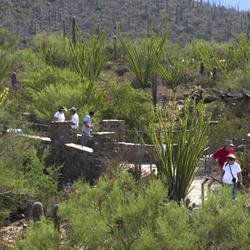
222	153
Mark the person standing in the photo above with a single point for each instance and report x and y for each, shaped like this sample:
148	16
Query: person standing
86	128
59	115
221	154
232	174
74	118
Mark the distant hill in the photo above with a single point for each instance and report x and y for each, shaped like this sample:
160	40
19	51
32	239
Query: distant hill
183	19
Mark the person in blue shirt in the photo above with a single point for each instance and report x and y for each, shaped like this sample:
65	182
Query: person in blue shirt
86	128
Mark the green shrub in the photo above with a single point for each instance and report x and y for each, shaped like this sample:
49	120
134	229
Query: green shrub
129	104
120	214
54	50
24	173
39	237
223	223
46	102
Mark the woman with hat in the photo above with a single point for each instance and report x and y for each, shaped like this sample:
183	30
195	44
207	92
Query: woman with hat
59	115
232	174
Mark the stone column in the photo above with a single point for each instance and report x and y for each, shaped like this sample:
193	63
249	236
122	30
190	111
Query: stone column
117	126
60	134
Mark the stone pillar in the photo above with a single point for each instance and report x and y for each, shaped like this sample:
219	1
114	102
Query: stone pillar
117	126
60	134
104	142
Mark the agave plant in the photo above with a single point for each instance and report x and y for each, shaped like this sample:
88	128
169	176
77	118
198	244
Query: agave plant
178	153
144	57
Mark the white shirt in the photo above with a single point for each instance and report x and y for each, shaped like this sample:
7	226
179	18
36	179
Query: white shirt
75	121
60	116
227	177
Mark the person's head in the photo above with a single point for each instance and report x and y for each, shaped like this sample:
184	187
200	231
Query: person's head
231	158
228	144
73	110
62	109
91	113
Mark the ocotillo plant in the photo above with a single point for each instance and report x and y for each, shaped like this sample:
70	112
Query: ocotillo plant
143	57
178	167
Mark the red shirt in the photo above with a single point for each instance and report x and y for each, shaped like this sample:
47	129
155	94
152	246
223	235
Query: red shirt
222	154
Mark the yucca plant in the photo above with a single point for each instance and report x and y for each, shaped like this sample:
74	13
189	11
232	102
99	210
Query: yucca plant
143	57
178	153
89	58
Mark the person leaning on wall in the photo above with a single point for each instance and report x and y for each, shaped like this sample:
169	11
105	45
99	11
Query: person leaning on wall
59	115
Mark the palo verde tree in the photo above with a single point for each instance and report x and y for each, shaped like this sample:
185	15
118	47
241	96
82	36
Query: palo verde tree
178	142
143	57
89	58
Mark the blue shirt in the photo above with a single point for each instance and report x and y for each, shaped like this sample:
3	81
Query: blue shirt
87	121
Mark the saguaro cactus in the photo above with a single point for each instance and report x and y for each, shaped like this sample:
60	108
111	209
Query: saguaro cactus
13	80
56	217
37	211
74	30
202	68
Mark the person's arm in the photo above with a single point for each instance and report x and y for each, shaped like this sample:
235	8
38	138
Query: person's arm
87	124
215	155
55	118
222	172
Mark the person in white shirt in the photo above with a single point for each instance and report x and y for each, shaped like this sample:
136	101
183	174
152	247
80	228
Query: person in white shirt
74	118
232	174
59	115
86	128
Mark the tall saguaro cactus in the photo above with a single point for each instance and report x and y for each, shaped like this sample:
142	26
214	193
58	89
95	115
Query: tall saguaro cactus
74	30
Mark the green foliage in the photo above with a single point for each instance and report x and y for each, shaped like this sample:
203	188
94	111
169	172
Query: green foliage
3	95
46	102
223	223
24	173
7	39
144	57
39	237
89	56
132	105
238	54
178	156
5	62
54	50
173	73
120	214
211	54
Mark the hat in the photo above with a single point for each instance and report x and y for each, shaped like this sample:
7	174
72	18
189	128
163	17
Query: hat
229	142
63	108
73	109
231	156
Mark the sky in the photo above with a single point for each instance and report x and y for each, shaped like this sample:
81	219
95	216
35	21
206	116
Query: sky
243	4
